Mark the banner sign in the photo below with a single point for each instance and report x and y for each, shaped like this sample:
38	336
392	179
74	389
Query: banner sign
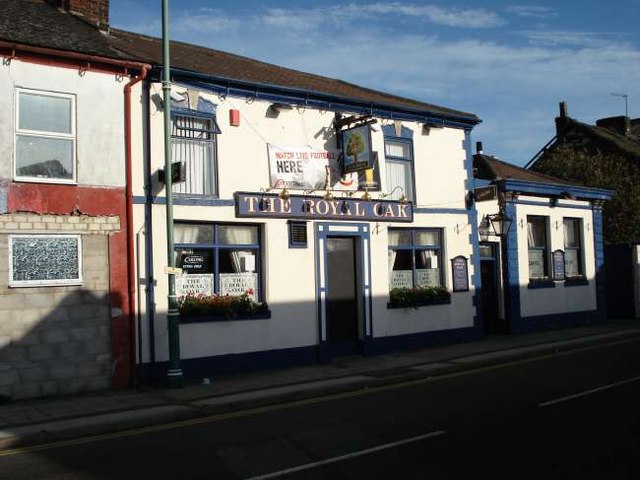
356	149
305	168
256	205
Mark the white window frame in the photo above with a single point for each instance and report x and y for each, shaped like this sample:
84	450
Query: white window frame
45	283
45	134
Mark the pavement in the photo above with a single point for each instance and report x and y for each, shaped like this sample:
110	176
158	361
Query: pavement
32	422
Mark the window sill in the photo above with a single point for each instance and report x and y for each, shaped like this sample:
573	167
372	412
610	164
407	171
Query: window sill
541	284
575	282
445	301
213	318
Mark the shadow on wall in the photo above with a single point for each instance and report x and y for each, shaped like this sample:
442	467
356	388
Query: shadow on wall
55	341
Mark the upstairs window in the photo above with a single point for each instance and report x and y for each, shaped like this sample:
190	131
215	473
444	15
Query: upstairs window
573	266
193	142
399	166
45	136
538	242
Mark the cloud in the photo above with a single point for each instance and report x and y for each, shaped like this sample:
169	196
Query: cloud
550	38
531	11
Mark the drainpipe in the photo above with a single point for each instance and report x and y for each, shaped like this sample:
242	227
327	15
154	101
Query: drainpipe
131	278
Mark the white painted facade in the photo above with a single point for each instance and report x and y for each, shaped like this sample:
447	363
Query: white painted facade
289	275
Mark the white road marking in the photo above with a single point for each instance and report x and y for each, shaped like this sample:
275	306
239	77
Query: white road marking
347	456
589	392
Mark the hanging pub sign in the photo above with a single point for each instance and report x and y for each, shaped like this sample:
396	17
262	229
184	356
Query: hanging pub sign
255	205
305	168
356	149
460	274
558	265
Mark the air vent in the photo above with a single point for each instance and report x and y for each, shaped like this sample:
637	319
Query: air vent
298	234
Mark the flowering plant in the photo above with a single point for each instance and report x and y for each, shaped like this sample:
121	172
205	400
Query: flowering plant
228	306
414	297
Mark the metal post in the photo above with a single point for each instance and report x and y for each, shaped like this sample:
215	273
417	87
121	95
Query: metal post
174	373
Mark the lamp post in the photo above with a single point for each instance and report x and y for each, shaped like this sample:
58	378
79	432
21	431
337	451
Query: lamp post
174	372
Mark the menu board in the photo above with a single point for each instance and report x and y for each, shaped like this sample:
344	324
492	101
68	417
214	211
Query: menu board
460	273
558	265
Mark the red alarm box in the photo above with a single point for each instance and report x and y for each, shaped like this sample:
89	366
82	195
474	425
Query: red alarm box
234	117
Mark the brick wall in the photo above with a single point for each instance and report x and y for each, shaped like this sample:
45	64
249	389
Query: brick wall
56	340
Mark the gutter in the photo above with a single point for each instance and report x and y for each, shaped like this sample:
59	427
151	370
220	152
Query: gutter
131	280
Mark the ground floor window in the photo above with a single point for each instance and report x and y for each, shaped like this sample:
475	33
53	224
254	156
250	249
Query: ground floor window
538	244
415	258
44	260
218	259
573	248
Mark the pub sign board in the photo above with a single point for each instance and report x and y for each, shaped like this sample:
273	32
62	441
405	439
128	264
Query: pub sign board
356	149
256	205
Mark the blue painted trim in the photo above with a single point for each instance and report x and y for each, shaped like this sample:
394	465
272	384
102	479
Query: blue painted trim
459	211
363	233
511	271
542	284
540	323
554	189
549	203
389	131
210	318
226	86
474	238
184	200
415	341
599	261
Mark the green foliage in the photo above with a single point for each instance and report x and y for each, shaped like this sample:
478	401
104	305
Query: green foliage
355	146
417	296
602	170
226	306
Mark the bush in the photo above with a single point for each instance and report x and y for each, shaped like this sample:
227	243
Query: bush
415	297
227	306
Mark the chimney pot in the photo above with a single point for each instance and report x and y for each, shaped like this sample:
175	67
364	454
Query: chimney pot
564	112
479	148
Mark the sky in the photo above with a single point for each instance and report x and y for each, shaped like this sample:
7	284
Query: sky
508	63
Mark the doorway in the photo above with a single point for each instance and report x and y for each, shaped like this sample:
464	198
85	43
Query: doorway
489	275
342	299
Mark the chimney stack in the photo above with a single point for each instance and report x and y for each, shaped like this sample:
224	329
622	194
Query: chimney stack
562	122
95	12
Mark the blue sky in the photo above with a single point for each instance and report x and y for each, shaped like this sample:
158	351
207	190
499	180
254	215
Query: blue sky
509	63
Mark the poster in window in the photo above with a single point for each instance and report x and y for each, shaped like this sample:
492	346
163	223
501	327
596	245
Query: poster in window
429	277
536	264
356	149
239	284
401	279
558	265
198	284
460	273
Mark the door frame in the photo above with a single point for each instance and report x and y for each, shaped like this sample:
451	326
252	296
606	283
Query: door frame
362	233
497	272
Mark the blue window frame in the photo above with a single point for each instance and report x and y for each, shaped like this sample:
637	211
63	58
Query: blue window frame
398	154
222	259
415	257
538	242
193	142
573	260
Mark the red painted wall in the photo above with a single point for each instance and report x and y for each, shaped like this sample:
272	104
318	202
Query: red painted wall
70	199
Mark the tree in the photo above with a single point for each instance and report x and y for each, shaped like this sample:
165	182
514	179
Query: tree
611	171
355	146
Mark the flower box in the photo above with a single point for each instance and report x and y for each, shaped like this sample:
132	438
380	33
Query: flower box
418	297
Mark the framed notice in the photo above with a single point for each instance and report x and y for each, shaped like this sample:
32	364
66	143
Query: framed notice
460	274
558	265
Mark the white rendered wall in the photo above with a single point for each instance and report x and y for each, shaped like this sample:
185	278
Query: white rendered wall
561	299
99	117
289	278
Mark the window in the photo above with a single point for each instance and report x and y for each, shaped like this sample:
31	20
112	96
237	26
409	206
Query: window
537	240
193	141
43	260
45	136
415	258
573	248
399	166
216	258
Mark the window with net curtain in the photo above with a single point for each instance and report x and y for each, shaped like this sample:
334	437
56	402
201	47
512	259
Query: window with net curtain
193	142
415	258
537	240
225	259
399	167
573	248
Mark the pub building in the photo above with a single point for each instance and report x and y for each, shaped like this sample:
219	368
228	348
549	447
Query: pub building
312	218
